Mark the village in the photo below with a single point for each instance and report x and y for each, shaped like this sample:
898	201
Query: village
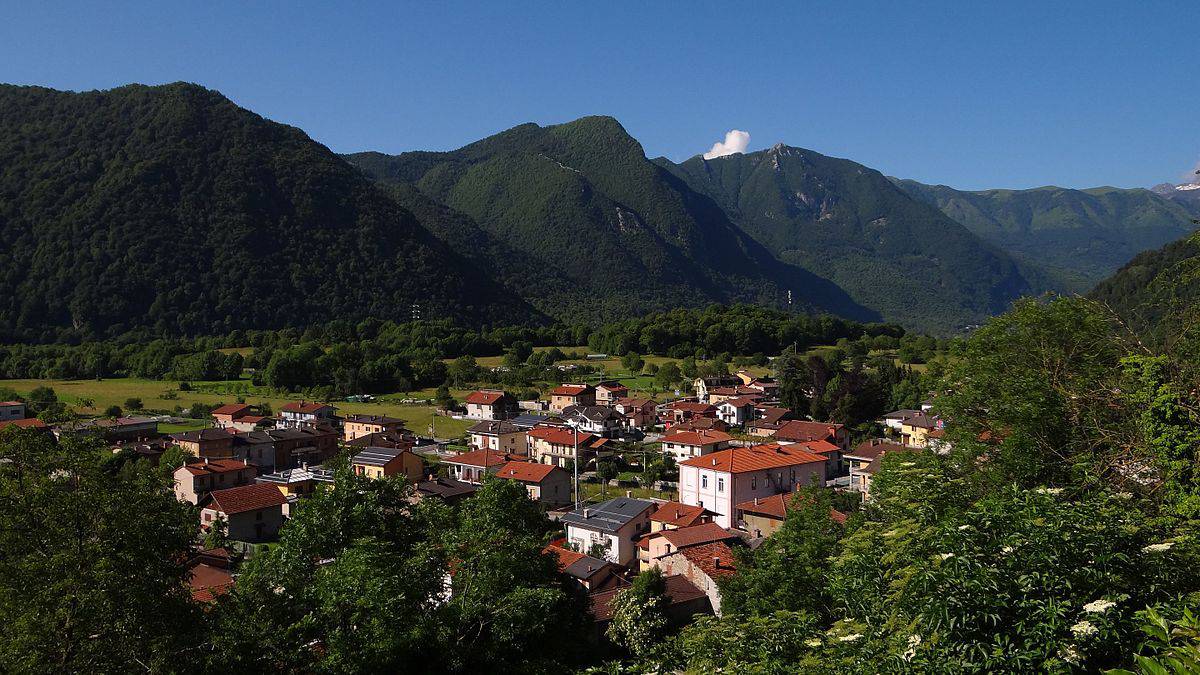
633	483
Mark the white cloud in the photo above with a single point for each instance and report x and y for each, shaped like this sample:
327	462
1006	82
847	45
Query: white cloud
735	142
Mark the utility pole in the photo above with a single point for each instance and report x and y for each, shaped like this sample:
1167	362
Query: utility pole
575	464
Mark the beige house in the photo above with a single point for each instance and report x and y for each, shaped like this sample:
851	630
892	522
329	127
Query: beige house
251	513
490	404
566	395
684	445
195	480
471	467
382	462
224	416
655	545
721	480
676	515
704	566
763	516
608	393
558	446
498	436
357	426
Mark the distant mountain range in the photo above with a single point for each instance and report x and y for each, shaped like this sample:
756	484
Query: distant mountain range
169	210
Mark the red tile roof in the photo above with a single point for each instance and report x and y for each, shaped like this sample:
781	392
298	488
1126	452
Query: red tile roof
303	407
703	437
777	506
873	448
757	458
678	515
740	401
715	560
679	591
559	436
695	535
231	409
692	406
247	498
570	389
479	458
821	447
11	403
803	430
216	466
207	582
526	472
27	423
485	397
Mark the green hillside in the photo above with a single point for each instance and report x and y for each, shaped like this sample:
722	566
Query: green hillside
580	203
1158	293
890	252
170	209
1081	235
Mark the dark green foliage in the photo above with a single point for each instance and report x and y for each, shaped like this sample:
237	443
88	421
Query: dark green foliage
173	210
1078	236
1158	293
91	578
898	256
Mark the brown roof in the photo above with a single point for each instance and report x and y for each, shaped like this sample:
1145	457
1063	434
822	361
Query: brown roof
27	423
304	407
485	397
494	427
803	430
715	559
873	448
678	515
570	389
612	386
559	436
216	466
772	415
692	406
374	419
756	458
526	472
700	424
231	409
679	591
697	437
479	458
740	401
247	498
777	506
695	535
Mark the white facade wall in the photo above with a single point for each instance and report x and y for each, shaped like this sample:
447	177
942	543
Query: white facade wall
721	491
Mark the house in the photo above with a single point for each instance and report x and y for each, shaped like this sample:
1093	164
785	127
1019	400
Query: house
284	448
381	462
595	419
768	420
700	424
684	600
470	467
687	444
895	419
559	446
297	483
224	416
499	436
609	530
111	430
401	439
674	515
550	485
608	393
703	566
802	431
447	489
527	421
251	513
865	460
196	479
210	443
639	413
590	574
565	395
209	575
703	385
682	411
491	404
721	480
736	411
831	453
357	426
719	394
27	423
763	516
665	542
915	430
252	423
296	415
12	410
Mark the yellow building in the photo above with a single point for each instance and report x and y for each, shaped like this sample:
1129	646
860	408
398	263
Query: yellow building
380	462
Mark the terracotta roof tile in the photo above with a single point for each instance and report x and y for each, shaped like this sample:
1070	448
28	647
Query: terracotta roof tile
757	458
526	472
247	498
695	535
678	515
485	397
479	458
697	437
715	560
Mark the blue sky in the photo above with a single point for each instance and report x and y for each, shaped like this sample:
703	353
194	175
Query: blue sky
969	94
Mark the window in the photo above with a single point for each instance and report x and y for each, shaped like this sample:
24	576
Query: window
258	515
704	481
720	485
753	482
793	475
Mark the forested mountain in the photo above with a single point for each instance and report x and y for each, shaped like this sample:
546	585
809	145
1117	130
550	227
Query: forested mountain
579	214
1158	293
891	252
1080	236
171	209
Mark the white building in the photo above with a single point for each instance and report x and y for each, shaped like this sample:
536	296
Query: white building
609	530
684	445
721	480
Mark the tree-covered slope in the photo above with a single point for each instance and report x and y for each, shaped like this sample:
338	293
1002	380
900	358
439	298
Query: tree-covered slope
1081	235
171	209
1158	293
843	220
580	202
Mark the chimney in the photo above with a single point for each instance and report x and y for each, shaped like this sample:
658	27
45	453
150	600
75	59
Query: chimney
206	461
587	513
756	501
717	562
629	494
